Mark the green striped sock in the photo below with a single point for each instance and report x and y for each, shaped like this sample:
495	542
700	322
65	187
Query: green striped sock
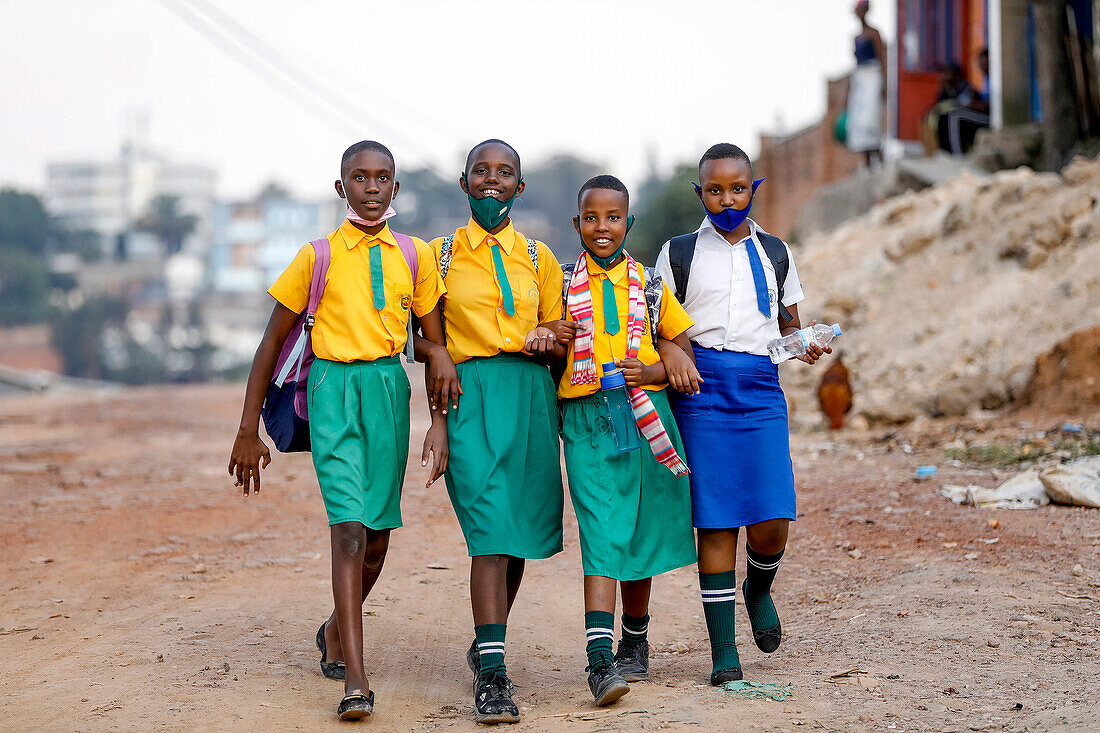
719	591
600	628
634	628
490	647
757	588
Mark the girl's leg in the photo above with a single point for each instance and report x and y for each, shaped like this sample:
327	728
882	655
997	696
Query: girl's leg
599	619
489	599
632	657
349	545
718	585
764	544
515	577
377	544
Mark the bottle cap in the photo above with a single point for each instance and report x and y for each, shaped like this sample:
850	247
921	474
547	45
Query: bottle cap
836	329
612	377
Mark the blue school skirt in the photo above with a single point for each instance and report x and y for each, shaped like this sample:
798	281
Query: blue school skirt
737	441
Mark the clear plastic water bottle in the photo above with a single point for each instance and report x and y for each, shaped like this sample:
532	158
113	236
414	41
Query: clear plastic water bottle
795	344
620	415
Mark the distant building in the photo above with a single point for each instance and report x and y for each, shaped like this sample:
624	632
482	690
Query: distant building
109	197
251	242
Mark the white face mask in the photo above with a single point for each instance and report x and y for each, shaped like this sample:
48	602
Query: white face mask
352	216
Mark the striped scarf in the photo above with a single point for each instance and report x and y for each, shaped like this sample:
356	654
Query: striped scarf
579	308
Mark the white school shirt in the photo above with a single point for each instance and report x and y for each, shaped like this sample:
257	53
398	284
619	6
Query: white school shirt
721	295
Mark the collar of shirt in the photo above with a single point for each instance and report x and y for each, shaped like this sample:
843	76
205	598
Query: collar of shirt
616	274
710	230
353	235
506	237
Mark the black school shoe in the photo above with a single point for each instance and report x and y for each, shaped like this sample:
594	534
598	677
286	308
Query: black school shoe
332	670
767	640
722	676
473	661
632	659
606	683
492	701
356	706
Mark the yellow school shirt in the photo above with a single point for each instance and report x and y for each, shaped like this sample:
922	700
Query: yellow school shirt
473	307
347	327
606	347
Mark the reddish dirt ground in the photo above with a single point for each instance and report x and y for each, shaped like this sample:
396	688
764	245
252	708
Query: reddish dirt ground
140	591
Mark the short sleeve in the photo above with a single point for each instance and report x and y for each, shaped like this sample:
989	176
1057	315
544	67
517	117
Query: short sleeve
292	287
792	287
550	279
429	287
674	320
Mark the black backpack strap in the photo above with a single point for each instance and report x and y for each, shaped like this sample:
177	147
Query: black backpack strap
533	253
781	263
654	294
567	272
681	249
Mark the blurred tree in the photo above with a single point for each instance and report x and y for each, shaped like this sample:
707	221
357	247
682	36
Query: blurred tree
24	286
77	335
272	190
164	220
670	207
549	201
24	223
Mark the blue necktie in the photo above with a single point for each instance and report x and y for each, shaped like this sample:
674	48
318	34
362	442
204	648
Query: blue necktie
758	278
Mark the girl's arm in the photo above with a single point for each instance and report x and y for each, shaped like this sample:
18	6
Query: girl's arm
248	447
442	385
679	360
795	324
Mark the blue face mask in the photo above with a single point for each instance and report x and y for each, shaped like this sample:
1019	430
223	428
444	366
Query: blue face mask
605	261
730	218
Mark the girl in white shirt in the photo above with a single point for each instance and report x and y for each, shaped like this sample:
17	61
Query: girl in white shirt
735	429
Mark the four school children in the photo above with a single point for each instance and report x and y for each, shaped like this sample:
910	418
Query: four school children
496	313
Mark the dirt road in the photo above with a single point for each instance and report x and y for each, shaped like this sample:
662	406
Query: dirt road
139	591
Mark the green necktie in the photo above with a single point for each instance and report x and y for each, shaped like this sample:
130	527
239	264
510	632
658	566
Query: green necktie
376	285
502	278
610	308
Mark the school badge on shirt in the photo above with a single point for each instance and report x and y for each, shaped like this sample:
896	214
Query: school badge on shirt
406	302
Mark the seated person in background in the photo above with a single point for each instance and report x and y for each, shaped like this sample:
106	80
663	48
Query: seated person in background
957	127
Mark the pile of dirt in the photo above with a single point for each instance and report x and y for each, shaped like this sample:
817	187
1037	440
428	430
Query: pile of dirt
947	296
1067	378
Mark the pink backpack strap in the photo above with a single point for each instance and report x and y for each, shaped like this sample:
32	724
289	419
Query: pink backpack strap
408	249
322	257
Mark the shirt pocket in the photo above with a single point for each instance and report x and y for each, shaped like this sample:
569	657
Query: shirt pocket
526	298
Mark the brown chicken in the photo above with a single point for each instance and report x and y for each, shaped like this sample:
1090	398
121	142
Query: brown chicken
834	394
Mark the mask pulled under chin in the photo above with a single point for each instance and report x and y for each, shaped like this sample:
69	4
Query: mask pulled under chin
604	262
489	212
729	218
352	216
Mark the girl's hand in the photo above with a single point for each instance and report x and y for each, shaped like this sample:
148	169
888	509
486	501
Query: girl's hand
540	341
681	371
633	370
564	331
443	384
435	442
814	352
244	461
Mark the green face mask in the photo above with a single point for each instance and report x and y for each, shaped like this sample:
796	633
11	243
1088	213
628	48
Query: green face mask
605	261
488	212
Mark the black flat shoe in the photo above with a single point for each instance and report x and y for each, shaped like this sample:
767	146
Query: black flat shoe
332	670
607	684
722	676
356	706
632	659
492	702
767	640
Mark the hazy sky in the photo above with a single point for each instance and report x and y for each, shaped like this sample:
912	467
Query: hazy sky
275	90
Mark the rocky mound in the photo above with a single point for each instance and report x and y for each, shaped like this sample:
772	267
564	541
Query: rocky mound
948	295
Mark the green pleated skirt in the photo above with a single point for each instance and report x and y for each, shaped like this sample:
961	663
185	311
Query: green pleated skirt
359	434
504	472
634	514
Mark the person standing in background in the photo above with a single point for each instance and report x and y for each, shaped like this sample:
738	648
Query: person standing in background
867	90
